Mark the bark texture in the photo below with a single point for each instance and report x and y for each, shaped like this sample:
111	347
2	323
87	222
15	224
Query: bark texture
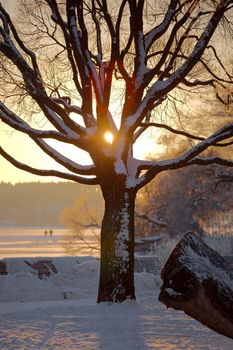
197	280
117	246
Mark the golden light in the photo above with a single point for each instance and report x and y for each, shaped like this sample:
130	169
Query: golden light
108	136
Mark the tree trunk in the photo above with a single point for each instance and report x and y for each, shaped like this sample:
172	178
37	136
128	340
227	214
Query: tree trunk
117	244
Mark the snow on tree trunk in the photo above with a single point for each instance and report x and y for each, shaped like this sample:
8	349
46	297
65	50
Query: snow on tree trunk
117	246
197	280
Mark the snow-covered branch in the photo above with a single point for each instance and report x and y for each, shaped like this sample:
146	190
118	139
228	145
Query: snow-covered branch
36	135
162	87
56	173
136	22
32	78
10	118
188	158
64	161
9	25
76	60
99	56
67	105
57	18
211	160
88	119
106	69
170	42
144	126
160	29
79	41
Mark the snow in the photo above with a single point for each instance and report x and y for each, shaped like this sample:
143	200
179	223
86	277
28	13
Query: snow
66	162
159	30
121	244
58	123
61	313
119	167
189	157
172	292
16	122
202	265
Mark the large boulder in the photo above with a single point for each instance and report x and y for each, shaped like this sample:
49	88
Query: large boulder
197	280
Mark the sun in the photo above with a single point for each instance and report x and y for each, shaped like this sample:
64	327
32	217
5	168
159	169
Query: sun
108	136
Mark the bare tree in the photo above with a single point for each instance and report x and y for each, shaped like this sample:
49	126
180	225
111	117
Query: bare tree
152	53
184	200
83	219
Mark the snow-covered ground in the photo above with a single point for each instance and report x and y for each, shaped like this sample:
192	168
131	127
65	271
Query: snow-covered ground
60	313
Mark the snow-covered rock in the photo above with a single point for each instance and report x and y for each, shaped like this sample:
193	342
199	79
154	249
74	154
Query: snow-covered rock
197	280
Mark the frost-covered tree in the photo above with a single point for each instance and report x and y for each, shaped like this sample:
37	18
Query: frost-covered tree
184	200
72	60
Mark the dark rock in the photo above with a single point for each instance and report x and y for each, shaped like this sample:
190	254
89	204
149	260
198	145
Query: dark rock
43	268
197	280
3	269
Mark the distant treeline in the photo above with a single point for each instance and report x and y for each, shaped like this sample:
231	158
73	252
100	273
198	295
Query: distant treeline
39	204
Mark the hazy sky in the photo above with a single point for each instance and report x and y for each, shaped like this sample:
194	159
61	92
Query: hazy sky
11	5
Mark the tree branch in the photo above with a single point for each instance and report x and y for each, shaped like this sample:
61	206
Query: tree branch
33	80
159	30
64	161
56	17
153	221
56	173
185	159
19	124
161	88
211	160
181	132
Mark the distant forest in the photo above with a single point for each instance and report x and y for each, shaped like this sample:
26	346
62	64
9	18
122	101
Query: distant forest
39	204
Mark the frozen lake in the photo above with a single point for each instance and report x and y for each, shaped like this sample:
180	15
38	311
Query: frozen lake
32	242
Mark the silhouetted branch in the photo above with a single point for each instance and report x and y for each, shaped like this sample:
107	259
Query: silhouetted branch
56	173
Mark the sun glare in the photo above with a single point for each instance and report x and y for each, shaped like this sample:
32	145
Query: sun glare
108	136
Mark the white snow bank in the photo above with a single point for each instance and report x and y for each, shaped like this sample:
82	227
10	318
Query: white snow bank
73	281
60	313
